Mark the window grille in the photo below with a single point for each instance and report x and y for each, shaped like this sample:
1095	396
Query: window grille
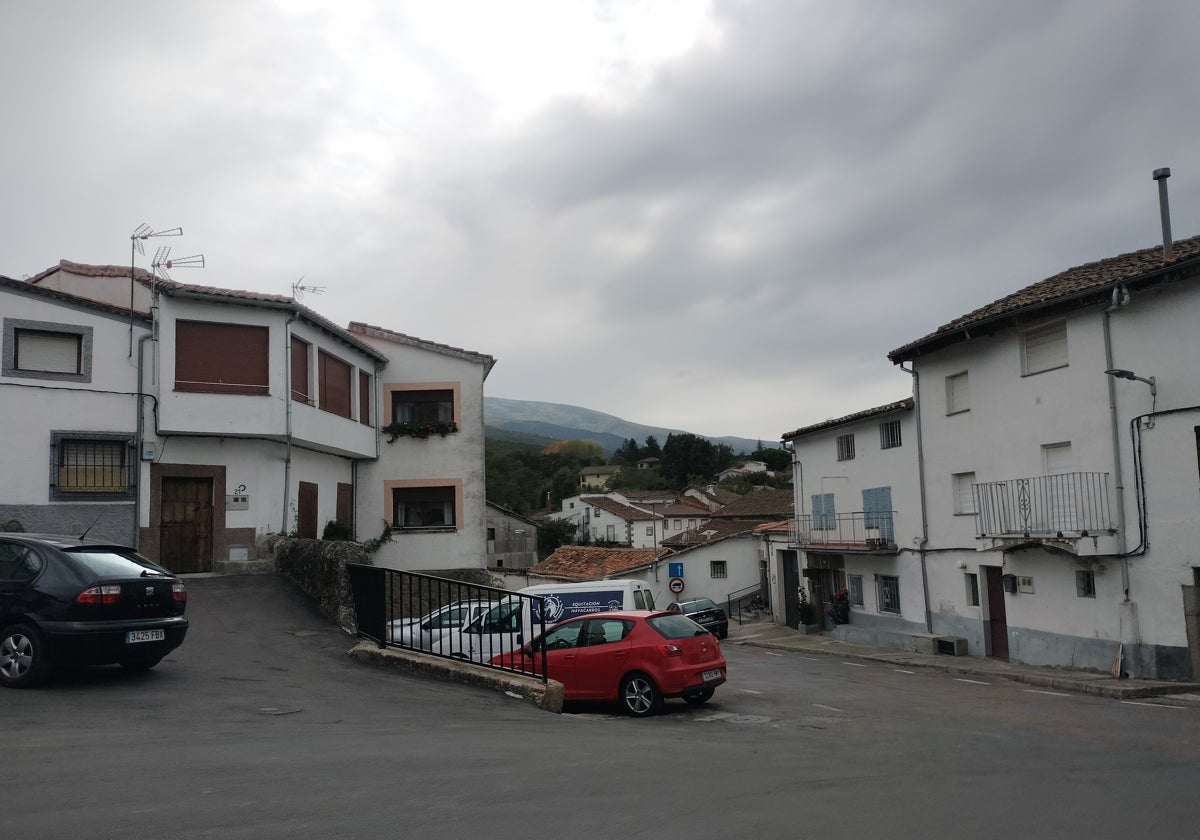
889	434
717	569
887	591
845	447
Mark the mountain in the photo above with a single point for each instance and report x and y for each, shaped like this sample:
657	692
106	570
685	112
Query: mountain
523	419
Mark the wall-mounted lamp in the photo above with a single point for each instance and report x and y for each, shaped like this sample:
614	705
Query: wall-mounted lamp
1120	373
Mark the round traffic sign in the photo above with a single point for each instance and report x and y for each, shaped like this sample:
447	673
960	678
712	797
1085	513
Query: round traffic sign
676	585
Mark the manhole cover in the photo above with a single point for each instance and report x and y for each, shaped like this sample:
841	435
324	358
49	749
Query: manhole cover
747	719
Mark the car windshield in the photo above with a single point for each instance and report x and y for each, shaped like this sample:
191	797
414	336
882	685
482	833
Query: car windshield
699	605
107	562
676	626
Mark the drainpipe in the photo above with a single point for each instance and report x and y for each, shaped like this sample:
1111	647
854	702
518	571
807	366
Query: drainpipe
140	426
921	547
287	401
1120	297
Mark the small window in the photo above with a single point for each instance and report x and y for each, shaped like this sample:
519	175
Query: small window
678	524
958	394
334	376
845	447
855	589
717	569
91	466
887	591
423	507
1044	348
1085	583
964	493
419	408
889	434
649	530
691	523
366	392
972	582
299	359
43	350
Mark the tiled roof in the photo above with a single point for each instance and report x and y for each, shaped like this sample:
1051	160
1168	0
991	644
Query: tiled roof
582	562
784	527
714	530
174	289
1082	285
26	287
487	361
630	514
905	404
762	504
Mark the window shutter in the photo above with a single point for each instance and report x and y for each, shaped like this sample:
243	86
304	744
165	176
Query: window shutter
47	352
1046	348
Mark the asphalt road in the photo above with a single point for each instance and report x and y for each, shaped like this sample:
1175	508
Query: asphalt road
261	726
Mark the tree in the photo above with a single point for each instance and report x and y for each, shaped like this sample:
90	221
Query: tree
652	449
685	456
552	534
627	454
777	460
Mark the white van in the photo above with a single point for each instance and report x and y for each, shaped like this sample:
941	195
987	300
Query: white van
514	621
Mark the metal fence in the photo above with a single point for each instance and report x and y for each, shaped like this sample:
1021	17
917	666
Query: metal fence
746	604
860	530
447	618
1064	505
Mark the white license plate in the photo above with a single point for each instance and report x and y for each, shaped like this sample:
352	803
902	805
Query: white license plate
714	674
135	636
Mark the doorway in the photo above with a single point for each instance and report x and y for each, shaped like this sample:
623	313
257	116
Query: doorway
997	618
185	525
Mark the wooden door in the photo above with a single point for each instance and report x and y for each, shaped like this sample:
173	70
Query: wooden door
997	616
185	525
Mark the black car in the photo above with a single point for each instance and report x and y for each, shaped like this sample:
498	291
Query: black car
69	602
705	613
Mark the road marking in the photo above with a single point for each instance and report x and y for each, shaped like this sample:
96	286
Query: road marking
830	708
973	682
750	691
902	671
1051	693
855	664
1154	705
772	653
812	658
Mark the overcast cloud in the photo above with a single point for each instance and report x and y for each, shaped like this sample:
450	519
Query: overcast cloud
715	216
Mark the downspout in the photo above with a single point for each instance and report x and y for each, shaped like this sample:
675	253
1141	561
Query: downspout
1120	297
921	547
287	401
141	425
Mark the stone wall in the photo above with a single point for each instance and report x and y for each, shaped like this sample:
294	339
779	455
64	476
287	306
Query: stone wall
318	567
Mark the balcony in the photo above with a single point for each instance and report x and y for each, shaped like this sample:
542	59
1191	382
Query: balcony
1064	507
858	531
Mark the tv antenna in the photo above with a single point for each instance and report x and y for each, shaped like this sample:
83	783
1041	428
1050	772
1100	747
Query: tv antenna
299	290
140	234
162	262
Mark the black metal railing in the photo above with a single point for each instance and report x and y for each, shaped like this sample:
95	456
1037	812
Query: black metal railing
746	604
1067	505
448	618
858	531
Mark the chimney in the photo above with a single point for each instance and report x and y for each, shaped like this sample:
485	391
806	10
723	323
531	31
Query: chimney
1164	208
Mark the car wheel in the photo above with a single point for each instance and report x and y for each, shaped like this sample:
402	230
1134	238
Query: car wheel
696	699
640	697
24	662
140	664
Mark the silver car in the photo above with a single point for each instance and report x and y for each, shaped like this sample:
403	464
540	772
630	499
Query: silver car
437	632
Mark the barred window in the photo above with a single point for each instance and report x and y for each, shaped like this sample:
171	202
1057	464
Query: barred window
887	592
91	466
856	590
717	569
889	434
845	447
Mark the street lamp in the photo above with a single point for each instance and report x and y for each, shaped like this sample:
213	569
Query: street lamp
1121	373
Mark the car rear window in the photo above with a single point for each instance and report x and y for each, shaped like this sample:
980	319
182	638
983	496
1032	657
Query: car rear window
675	626
109	563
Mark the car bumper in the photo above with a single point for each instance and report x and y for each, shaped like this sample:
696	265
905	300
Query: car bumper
104	642
689	683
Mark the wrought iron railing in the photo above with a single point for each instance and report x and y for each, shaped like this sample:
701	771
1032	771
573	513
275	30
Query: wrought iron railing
858	531
1067	505
448	618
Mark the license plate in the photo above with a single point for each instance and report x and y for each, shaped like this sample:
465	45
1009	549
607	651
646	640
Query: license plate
714	674
135	636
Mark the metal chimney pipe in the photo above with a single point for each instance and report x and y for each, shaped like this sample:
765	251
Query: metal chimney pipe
1164	208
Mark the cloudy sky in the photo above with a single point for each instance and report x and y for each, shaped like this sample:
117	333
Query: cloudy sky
713	215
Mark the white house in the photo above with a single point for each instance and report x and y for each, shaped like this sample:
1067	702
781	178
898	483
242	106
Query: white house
1059	433
857	524
191	421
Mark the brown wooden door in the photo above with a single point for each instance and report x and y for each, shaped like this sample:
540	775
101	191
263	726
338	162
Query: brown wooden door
185	525
997	617
306	513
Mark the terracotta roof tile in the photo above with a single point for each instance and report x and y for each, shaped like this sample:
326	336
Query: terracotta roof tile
714	530
905	404
400	338
762	504
582	562
1083	283
616	508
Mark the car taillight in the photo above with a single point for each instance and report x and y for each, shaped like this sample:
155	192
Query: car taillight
97	595
670	650
179	592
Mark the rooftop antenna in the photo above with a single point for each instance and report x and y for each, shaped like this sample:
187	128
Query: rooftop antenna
140	234
299	290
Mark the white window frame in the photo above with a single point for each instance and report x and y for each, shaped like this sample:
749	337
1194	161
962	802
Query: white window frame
958	393
1044	348
964	495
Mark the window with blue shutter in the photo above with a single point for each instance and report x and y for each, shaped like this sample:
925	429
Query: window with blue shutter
877	513
824	515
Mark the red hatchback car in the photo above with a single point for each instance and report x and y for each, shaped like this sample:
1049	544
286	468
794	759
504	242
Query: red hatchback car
635	657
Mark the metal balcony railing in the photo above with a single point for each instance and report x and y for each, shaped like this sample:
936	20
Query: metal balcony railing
1064	506
857	531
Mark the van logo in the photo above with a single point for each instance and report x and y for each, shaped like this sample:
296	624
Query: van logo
553	608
